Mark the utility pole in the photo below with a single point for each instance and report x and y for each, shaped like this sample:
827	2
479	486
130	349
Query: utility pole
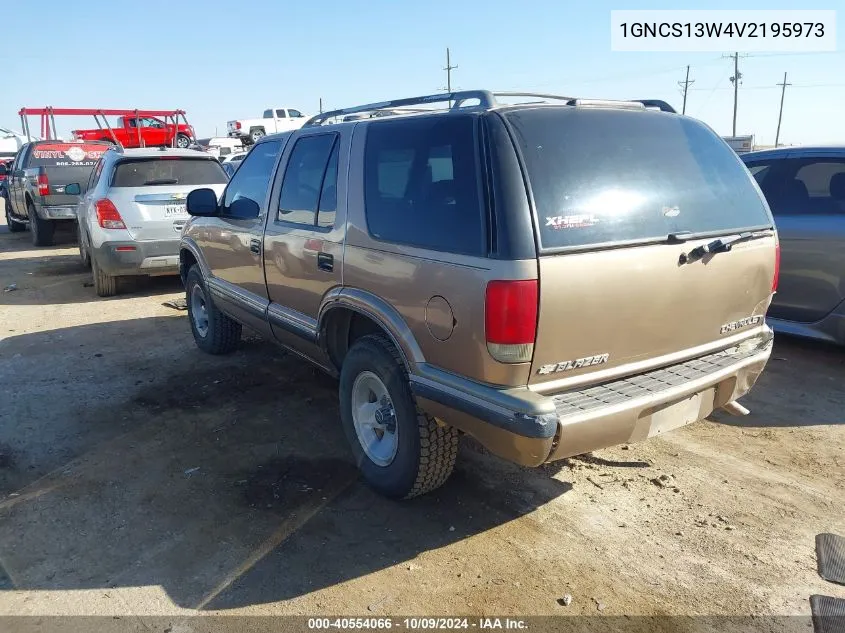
686	84
449	68
780	113
321	105
737	76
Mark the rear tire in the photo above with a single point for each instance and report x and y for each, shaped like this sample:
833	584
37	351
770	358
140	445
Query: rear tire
256	134
425	452
104	284
42	230
14	225
214	332
182	141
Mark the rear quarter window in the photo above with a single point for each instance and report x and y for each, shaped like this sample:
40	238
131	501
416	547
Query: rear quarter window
600	176
151	172
422	187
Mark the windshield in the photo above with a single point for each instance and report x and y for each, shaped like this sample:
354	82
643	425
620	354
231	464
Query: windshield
151	172
600	176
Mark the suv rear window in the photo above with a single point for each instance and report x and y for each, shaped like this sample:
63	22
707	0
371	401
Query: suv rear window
421	184
151	172
66	154
604	176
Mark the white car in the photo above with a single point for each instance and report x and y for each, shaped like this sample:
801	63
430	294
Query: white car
235	158
273	120
132	211
11	142
220	146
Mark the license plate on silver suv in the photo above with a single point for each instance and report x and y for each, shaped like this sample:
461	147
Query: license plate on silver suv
174	210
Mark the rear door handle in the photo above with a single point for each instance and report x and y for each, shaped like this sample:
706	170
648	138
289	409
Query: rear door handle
255	245
325	262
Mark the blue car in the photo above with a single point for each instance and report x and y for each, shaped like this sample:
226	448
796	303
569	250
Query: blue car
805	189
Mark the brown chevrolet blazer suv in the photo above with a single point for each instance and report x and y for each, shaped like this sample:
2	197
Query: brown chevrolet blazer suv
550	277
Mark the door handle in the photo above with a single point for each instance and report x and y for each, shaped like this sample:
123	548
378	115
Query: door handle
255	245
325	262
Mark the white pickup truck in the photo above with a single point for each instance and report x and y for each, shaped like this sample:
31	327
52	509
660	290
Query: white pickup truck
273	120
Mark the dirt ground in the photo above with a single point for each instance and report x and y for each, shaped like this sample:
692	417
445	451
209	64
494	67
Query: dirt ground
140	477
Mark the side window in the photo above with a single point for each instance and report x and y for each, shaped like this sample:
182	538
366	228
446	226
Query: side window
253	177
824	180
268	114
421	184
305	180
759	171
280	114
295	114
328	192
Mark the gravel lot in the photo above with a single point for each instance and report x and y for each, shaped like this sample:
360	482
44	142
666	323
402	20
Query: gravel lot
140	477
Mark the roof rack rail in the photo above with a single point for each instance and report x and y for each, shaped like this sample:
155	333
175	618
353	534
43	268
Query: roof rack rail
485	100
536	95
656	103
456	100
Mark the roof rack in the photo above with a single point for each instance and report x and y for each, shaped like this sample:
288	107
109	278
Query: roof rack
486	100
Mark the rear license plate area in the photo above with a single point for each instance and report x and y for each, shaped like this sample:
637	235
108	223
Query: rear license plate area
681	413
175	210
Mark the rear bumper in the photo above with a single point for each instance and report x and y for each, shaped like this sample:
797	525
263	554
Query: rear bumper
64	212
159	257
530	429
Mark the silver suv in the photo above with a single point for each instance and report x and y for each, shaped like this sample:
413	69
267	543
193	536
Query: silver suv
133	210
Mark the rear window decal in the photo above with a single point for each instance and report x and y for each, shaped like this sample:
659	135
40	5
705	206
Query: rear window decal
579	221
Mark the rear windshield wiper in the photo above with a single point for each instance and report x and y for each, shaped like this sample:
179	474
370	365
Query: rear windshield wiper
161	181
720	245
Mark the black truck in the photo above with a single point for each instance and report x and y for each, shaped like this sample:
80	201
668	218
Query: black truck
36	184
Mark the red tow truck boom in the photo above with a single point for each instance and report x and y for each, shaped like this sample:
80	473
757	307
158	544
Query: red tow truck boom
48	121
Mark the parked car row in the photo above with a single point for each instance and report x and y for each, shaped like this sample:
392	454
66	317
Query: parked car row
467	270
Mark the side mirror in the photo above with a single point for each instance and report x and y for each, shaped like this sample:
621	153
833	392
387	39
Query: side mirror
202	202
73	189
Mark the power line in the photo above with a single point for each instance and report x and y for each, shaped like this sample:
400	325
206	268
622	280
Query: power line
686	84
780	112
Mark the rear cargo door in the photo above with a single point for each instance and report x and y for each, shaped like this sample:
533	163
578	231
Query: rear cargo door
621	197
150	193
63	164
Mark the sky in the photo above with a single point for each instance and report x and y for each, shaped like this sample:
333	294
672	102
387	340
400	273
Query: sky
221	60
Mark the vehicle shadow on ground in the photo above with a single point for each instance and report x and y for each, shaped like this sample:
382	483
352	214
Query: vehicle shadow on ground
227	481
805	369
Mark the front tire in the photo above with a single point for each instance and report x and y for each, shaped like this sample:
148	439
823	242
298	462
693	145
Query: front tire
401	451
182	141
14	225
84	255
214	332
42	230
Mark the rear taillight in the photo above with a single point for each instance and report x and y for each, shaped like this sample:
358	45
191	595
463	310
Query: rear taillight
237	125
776	276
510	319
107	215
43	183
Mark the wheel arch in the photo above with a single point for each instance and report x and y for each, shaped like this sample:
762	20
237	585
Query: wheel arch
349	314
190	254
